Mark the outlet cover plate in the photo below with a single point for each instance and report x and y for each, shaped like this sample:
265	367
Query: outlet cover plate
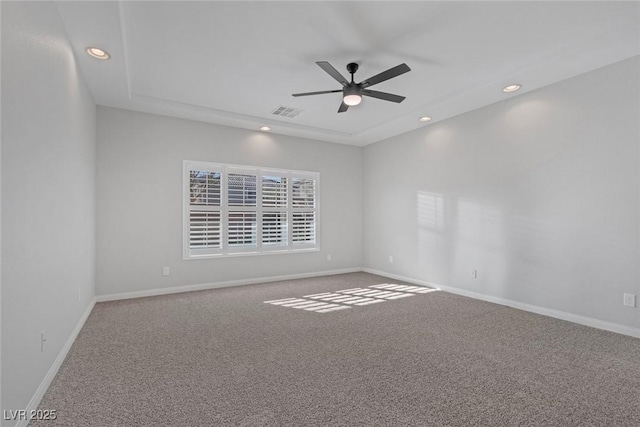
629	300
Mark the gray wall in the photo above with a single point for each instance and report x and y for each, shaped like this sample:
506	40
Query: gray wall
139	217
48	196
539	193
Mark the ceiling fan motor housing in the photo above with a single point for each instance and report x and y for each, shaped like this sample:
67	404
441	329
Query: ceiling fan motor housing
352	89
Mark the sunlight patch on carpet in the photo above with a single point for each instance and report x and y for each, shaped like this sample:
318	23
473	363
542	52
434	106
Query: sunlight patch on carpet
326	302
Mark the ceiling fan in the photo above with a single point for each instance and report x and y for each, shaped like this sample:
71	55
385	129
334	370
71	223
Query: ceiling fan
353	92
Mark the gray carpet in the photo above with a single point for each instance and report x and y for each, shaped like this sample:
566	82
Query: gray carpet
224	357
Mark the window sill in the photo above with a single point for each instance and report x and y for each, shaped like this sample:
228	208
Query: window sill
248	254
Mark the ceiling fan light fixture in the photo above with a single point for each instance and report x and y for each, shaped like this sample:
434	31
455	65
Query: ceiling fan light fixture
351	95
98	53
511	88
352	100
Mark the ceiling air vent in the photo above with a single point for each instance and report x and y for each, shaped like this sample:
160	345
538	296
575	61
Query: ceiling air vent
283	111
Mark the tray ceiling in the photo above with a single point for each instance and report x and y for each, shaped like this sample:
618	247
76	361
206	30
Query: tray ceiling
234	63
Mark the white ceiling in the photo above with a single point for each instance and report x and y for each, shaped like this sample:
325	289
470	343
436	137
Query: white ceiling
233	63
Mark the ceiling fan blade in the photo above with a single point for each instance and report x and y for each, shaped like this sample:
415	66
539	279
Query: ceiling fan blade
383	95
343	107
385	75
332	72
316	93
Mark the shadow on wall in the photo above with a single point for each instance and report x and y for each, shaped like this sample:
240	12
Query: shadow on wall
465	236
478	246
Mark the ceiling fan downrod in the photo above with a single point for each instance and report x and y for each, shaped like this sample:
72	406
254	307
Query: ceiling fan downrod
352	67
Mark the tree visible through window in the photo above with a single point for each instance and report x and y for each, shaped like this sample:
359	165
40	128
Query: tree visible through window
237	209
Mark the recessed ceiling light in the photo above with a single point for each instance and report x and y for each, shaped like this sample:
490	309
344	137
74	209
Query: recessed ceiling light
511	88
97	53
424	118
265	128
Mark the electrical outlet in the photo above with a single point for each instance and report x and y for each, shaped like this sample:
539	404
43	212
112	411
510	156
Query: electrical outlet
165	271
474	274
629	300
328	257
391	259
43	339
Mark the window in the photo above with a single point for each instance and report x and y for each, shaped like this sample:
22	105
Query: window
232	210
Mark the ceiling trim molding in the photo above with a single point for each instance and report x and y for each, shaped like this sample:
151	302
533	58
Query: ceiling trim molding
125	50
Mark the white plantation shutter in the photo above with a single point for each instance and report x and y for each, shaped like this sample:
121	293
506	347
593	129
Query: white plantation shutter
233	210
242	228
242	188
204	232
274	190
204	189
275	229
304	228
304	192
275	202
304	209
242	219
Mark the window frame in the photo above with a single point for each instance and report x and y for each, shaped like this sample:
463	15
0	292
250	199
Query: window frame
259	249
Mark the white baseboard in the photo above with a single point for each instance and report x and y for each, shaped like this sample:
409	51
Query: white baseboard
216	285
53	370
563	315
403	278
